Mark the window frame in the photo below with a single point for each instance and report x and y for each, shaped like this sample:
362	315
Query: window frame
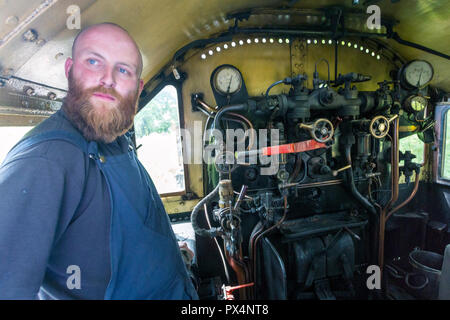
144	100
442	111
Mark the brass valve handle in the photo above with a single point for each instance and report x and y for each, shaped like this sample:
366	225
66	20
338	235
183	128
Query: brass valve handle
379	126
321	130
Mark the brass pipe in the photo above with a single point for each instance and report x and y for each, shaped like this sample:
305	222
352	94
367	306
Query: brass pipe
394	188
208	108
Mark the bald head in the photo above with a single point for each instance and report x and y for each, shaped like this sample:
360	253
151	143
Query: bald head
108	28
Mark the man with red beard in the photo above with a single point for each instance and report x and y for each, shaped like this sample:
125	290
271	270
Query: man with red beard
80	217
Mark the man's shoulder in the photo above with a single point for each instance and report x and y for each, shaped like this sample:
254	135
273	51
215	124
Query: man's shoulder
56	122
56	150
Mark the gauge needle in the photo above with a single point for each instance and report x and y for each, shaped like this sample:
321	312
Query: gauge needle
420	75
229	84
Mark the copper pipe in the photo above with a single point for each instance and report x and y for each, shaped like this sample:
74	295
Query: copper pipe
413	193
239	269
251	141
394	188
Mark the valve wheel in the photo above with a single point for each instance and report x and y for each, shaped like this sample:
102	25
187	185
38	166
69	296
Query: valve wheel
379	127
322	130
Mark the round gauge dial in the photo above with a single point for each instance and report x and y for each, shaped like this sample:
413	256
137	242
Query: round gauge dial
227	80
417	73
417	103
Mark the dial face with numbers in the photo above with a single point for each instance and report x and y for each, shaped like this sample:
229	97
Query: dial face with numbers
418	73
227	80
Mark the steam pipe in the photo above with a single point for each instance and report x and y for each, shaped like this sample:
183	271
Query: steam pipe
263	233
223	110
227	275
354	191
197	229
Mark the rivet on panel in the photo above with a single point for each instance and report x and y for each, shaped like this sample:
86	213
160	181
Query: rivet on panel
31	35
28	90
12	20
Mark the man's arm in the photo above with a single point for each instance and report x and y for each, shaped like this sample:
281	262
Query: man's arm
32	192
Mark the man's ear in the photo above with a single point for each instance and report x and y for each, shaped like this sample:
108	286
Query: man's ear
68	66
141	86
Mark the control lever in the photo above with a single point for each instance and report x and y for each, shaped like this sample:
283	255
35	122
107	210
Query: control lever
336	172
296	147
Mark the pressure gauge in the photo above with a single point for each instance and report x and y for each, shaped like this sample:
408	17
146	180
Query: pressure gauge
416	103
227	80
416	74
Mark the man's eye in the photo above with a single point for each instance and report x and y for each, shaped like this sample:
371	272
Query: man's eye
92	61
122	70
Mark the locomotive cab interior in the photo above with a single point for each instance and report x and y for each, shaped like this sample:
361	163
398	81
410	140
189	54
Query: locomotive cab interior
301	148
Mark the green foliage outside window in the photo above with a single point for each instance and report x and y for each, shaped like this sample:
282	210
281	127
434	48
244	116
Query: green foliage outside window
159	114
415	145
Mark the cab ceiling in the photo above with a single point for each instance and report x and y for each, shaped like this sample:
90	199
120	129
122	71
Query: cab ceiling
161	28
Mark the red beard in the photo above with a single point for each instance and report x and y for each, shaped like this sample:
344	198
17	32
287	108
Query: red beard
99	122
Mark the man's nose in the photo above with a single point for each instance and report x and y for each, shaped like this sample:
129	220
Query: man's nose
107	80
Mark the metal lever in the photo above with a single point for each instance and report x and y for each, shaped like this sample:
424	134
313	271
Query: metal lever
335	172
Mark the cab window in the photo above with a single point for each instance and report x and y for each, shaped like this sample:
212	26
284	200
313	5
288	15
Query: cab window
415	145
10	136
445	164
158	141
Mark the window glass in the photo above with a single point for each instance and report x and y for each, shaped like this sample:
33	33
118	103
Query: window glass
157	129
9	137
445	167
415	145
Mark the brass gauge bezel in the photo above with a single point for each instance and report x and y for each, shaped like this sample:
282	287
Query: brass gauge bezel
218	88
